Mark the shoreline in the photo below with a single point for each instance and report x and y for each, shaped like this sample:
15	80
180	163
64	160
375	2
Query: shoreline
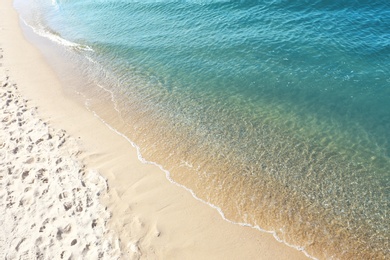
152	217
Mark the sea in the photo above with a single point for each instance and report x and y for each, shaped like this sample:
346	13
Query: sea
274	112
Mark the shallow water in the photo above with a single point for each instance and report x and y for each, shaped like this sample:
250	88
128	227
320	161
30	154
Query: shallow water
276	112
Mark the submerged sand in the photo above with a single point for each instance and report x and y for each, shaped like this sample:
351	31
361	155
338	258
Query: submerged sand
71	187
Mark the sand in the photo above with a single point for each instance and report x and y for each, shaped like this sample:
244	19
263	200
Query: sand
49	201
72	187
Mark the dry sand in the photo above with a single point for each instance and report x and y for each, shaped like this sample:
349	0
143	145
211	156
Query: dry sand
53	198
49	201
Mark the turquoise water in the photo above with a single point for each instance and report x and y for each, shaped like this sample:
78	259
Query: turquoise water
278	112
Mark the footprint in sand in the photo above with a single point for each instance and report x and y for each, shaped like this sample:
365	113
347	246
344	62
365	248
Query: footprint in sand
67	205
63	195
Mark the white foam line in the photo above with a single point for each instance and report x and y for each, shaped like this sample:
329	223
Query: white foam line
112	99
168	176
56	38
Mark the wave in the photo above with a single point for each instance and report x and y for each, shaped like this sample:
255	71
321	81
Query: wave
55	37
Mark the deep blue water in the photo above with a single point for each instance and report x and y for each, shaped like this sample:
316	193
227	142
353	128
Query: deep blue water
285	104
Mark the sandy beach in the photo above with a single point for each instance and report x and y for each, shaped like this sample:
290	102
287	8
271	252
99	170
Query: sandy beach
49	201
73	188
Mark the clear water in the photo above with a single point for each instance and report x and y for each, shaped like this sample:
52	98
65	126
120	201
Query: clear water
278	112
